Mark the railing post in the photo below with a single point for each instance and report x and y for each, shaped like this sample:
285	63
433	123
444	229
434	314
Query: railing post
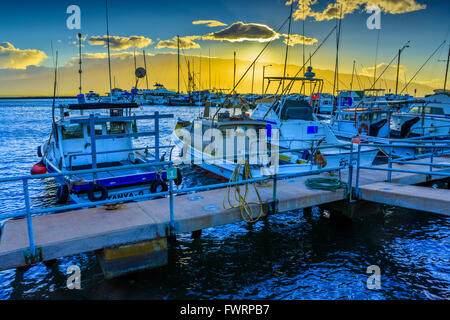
357	170
274	196
156	136
29	222
389	173
432	157
172	214
93	144
350	173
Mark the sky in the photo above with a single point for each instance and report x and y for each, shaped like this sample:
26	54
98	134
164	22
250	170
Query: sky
32	31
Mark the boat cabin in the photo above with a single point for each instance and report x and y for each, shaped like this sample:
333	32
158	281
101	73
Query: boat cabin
363	121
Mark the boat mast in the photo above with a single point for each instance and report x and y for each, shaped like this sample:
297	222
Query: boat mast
351	82
287	46
178	65
234	70
145	66
79	50
446	70
109	52
209	62
398	67
134	56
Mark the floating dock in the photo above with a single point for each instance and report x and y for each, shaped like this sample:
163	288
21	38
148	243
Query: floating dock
134	236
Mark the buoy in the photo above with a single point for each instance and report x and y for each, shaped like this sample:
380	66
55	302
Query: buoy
38	168
356	140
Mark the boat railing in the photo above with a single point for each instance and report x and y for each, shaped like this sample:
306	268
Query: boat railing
28	212
115	151
93	119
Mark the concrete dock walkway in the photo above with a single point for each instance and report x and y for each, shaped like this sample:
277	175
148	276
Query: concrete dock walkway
70	233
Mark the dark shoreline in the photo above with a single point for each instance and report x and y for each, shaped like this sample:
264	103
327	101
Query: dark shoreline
39	97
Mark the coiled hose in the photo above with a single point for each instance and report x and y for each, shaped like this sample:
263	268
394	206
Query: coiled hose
328	184
243	205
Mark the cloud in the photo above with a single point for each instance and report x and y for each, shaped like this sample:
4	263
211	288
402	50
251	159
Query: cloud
333	10
186	42
240	31
295	39
210	23
117	43
14	58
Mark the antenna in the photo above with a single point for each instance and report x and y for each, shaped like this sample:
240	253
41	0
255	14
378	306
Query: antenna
80	70
109	52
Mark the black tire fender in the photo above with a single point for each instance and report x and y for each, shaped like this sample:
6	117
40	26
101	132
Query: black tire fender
62	194
179	178
96	188
158	183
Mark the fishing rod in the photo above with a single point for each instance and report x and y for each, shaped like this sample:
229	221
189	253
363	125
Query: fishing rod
423	65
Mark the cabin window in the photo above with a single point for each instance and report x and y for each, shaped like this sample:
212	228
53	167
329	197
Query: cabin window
363	117
98	129
431	110
383	116
414	110
375	116
352	117
72	131
115	127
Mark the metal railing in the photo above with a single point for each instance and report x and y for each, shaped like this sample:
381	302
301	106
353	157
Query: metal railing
435	147
29	211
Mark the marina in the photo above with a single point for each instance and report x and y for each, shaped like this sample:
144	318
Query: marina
227	160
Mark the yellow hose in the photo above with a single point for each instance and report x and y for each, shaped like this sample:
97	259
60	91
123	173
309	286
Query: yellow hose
243	205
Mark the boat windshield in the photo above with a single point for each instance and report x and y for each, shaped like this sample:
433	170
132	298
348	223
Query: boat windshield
427	110
297	110
72	131
115	127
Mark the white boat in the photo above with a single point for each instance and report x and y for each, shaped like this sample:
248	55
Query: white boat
157	96
428	117
300	128
92	140
233	153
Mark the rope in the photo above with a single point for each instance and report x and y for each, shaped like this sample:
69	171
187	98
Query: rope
328	184
243	205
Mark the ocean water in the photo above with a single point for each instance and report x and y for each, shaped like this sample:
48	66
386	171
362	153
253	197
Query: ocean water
291	255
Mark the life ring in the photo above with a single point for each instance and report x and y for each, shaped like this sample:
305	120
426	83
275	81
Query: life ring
320	159
62	194
179	178
93	189
363	128
158	186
